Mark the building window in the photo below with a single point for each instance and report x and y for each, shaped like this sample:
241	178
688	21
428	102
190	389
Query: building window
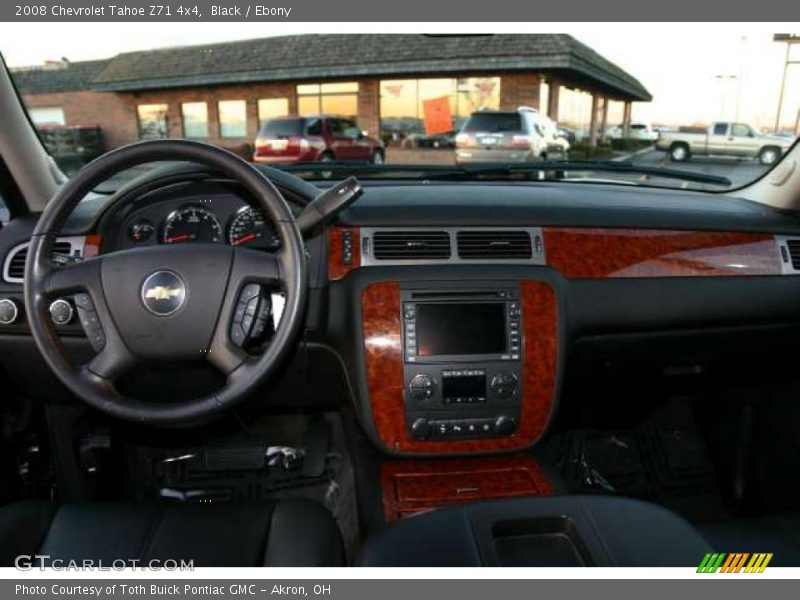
272	108
233	118
152	121
336	99
47	115
403	103
195	119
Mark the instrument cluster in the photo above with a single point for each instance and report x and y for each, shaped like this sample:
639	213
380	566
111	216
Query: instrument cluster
212	220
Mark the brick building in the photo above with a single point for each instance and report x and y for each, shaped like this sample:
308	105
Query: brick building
222	92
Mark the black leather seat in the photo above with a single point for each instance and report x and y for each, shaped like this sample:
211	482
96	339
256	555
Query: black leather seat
565	531
285	533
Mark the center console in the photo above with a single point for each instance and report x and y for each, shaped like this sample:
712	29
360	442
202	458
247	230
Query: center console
467	366
462	358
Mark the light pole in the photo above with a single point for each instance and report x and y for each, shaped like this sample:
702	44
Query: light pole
722	79
789	39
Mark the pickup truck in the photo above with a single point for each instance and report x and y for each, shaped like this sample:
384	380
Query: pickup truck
724	139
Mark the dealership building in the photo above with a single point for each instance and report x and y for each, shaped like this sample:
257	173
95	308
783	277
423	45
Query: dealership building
223	92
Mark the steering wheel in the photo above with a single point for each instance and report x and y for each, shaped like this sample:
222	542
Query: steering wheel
165	303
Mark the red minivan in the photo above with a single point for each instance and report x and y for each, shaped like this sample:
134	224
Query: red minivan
317	138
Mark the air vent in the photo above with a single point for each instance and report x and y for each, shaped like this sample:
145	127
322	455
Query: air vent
14	270
477	245
411	245
794	253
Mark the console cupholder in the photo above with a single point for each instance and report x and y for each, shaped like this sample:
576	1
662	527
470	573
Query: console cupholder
540	542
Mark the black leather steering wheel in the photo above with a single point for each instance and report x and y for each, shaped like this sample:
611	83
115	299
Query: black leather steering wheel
165	303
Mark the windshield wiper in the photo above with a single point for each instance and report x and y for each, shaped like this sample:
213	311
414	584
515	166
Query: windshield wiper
543	170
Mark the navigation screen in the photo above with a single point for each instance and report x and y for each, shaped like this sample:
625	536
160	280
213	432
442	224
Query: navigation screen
456	329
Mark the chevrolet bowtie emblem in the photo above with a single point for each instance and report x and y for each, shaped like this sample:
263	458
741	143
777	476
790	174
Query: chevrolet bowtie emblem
162	292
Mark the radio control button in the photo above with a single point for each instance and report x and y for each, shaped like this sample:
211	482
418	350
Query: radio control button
422	387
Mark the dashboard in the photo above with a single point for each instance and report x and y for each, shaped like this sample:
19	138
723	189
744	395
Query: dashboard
597	261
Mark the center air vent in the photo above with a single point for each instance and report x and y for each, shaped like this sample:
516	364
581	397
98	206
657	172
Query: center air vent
794	252
411	245
14	267
476	245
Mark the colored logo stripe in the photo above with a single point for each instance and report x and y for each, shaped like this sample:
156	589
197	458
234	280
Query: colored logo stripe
734	563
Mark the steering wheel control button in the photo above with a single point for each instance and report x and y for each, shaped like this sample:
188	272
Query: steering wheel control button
61	312
9	311
250	316
87	316
163	293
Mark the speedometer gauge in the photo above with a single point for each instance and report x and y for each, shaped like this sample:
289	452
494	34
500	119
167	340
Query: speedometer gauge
249	228
192	224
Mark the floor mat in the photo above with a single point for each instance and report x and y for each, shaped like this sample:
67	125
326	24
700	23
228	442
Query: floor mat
663	460
293	457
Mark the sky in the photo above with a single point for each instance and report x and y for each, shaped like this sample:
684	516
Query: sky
696	72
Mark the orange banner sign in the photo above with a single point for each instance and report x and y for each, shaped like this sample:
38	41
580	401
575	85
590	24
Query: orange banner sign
437	115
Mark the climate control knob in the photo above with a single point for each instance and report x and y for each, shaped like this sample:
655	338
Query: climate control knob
504	384
503	425
420	428
9	311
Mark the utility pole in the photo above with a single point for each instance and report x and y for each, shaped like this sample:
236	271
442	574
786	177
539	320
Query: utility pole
789	39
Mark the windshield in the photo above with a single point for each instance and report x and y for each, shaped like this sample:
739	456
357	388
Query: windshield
715	115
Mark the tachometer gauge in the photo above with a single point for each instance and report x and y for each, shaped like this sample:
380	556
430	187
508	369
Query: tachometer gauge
249	228
192	224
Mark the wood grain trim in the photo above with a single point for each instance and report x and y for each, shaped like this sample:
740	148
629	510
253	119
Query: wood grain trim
91	245
336	265
380	304
414	485
606	253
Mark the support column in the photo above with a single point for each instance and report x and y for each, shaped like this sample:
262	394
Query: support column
604	120
552	100
626	119
593	121
369	106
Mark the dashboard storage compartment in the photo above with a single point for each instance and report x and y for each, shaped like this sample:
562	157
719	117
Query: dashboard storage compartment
412	486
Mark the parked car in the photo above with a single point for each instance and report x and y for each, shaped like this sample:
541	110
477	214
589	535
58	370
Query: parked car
72	147
421	140
508	136
724	139
316	138
638	131
568	134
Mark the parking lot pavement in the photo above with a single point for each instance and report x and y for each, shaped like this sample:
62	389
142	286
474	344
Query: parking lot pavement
739	170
